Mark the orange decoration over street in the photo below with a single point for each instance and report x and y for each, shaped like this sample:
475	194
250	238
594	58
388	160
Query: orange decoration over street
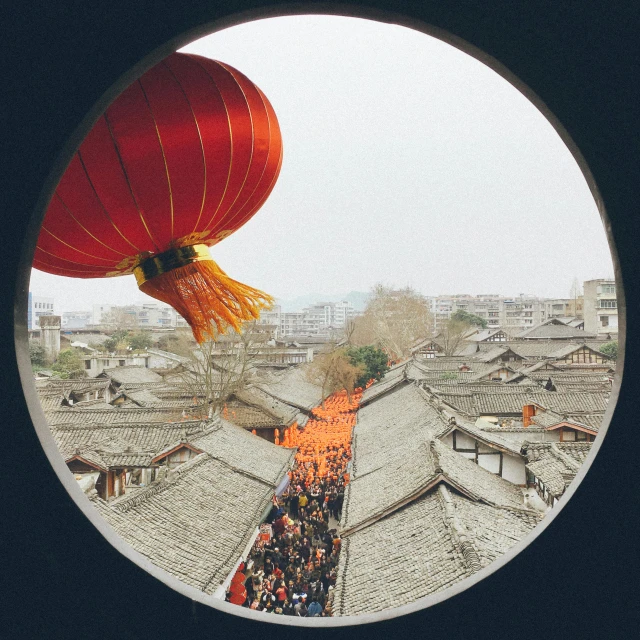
324	446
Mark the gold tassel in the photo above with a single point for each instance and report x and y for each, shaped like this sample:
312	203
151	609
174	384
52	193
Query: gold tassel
190	281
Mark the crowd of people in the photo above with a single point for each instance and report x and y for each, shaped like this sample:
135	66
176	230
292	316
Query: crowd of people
292	567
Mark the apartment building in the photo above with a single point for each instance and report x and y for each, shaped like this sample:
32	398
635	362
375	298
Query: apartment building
38	306
600	307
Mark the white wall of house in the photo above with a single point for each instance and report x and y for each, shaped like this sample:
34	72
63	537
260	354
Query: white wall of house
490	462
463	441
513	469
95	365
513	466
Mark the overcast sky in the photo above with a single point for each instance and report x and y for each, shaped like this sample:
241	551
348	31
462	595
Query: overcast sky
406	162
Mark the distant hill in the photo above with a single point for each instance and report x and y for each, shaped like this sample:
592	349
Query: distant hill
357	298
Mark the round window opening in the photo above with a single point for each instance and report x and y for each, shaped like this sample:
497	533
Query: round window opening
417	368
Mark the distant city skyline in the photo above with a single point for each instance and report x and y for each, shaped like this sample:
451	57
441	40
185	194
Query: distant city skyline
406	162
297	303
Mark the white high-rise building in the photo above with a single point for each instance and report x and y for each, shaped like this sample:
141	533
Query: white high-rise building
38	306
600	307
149	315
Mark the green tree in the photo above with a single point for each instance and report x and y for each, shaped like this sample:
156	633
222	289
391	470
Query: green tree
69	364
37	354
469	318
140	340
373	360
610	349
118	340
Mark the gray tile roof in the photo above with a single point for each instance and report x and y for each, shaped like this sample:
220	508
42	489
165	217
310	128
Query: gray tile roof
132	373
536	349
469	349
96	405
379	388
518	434
567	377
484	334
144	397
139	439
492	439
496	404
51	401
494	353
436	378
83	385
120	415
244	452
475	481
492	530
194	524
266	408
591	420
550	418
506	401
397	560
547	330
572	402
417	369
291	387
463	402
170	356
453	363
422	548
503	400
417	516
386	426
570	348
156	387
409	471
492	368
391	379
556	464
483	386
540	368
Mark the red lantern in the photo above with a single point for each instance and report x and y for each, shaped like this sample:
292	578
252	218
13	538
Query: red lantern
180	160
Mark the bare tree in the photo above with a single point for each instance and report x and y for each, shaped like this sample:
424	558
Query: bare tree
333	371
219	368
574	294
120	318
393	320
452	335
349	330
181	342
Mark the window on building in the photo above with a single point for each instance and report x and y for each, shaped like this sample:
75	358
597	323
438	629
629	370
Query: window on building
604	320
87	364
608	304
608	288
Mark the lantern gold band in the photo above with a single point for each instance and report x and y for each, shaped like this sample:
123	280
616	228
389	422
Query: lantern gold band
168	260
